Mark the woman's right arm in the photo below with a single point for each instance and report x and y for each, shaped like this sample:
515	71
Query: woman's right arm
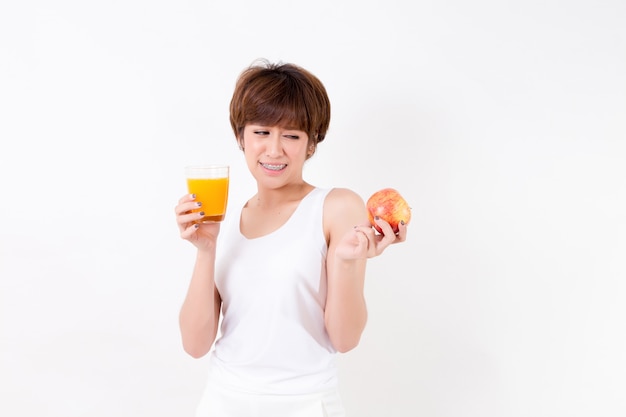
199	314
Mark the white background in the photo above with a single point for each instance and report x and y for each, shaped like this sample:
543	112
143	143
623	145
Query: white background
502	123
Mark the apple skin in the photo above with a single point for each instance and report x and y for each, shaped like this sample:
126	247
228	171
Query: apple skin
390	206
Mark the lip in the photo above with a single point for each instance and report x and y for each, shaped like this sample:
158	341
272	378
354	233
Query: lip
273	168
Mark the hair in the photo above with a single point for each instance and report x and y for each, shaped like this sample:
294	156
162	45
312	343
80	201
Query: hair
280	94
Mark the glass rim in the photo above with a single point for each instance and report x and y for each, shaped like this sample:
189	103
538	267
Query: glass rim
207	171
207	166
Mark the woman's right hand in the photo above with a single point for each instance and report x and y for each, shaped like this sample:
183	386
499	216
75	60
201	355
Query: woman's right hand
202	235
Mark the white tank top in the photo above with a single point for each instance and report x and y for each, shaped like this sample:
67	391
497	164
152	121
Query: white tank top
272	337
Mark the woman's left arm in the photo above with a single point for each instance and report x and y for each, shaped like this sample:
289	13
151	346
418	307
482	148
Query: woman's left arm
351	241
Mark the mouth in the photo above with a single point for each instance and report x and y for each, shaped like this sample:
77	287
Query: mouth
273	167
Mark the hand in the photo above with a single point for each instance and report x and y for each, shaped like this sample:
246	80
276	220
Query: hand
202	235
363	241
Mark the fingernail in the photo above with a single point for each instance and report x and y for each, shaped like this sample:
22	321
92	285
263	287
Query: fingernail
402	222
195	226
199	204
201	214
376	218
193	196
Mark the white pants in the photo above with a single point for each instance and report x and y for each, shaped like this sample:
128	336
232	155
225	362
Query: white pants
217	402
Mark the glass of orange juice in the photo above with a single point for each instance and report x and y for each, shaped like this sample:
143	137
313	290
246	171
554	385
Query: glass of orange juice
210	185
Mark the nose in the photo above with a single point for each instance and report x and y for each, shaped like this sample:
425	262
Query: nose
274	147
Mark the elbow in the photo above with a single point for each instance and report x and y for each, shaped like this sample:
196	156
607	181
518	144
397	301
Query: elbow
346	344
197	340
346	337
195	354
194	350
346	347
196	346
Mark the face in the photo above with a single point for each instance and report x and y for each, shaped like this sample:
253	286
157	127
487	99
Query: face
275	155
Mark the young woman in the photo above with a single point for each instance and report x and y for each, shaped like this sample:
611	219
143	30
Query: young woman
286	274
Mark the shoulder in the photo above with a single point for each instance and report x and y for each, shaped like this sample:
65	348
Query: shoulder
341	199
343	208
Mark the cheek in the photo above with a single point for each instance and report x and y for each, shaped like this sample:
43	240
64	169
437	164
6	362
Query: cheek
295	149
252	147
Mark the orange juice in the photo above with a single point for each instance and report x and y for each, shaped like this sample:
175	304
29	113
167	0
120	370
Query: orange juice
213	194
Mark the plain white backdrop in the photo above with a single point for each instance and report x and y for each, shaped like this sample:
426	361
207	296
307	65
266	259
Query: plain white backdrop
502	123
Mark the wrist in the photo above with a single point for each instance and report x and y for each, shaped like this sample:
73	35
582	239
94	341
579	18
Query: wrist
205	254
350	263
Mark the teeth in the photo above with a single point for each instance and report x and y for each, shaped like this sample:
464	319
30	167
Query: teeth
274	167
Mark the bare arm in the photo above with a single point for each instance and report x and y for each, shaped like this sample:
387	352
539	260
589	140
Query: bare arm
351	241
199	314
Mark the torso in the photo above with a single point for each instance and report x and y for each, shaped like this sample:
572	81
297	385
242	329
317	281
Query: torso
273	337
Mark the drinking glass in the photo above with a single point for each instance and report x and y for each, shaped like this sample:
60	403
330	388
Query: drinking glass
210	185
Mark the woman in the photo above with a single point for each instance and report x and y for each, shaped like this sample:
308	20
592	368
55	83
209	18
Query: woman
287	271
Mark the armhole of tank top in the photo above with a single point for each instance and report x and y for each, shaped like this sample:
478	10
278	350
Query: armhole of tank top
326	192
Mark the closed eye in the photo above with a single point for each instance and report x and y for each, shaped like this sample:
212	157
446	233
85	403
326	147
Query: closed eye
292	136
261	132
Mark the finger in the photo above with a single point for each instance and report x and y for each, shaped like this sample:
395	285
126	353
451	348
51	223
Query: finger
189	231
368	231
388	236
372	239
184	220
187	198
363	240
384	226
402	229
186	207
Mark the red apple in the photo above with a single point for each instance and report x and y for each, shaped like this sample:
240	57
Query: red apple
390	206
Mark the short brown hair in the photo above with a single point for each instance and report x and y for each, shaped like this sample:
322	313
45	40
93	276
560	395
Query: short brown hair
280	94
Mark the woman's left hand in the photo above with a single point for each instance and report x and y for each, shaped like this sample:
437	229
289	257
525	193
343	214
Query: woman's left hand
363	241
